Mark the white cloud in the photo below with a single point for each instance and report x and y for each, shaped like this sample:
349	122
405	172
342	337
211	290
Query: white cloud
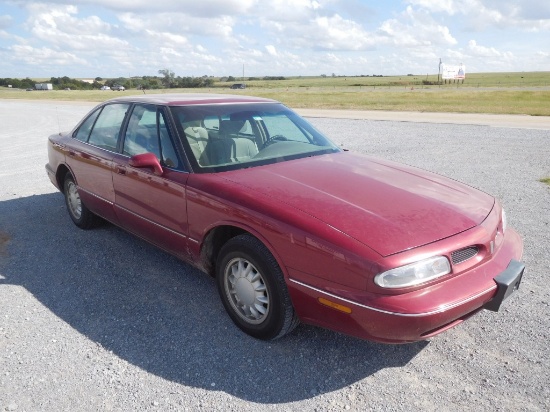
59	26
416	28
202	8
481	14
337	33
481	51
271	50
447	6
167	38
411	28
44	56
178	23
5	21
289	10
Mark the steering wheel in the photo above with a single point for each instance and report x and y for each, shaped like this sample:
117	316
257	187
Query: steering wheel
274	139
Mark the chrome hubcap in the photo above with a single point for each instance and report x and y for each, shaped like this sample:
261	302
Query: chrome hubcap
73	200
246	290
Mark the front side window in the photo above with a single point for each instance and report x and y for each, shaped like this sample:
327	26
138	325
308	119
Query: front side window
106	130
147	132
233	136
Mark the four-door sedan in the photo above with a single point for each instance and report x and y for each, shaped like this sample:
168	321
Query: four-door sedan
292	227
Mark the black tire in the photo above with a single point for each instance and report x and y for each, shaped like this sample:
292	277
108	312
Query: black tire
253	290
79	213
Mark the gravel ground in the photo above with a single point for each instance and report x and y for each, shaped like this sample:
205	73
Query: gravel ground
100	320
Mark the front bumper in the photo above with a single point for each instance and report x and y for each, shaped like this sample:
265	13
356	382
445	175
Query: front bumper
507	283
420	314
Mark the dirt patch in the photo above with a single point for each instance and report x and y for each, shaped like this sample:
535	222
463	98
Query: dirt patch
4	240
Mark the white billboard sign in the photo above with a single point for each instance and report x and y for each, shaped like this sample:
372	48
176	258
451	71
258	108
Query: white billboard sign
453	72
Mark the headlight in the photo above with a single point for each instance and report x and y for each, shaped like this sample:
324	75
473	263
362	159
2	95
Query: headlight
414	274
504	221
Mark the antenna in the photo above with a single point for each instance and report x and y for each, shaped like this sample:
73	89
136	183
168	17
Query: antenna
58	124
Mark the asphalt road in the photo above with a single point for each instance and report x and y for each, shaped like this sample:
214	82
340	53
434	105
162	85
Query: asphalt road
100	320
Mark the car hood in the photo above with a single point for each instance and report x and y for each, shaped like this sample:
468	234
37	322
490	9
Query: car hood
387	206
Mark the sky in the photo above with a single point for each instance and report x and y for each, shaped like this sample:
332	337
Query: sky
123	38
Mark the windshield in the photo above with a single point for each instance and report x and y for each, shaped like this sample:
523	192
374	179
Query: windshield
233	136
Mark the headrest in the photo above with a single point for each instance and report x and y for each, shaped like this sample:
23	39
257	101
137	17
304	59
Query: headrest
231	126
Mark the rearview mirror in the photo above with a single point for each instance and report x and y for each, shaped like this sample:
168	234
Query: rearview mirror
146	160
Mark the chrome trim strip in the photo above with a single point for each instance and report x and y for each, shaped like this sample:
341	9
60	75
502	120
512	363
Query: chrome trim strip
153	223
138	216
408	315
94	195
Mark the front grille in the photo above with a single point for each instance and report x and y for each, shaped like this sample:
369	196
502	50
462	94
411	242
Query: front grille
459	256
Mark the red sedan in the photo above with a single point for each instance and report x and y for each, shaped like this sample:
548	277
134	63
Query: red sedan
292	227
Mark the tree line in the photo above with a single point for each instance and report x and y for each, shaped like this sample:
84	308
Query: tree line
143	82
166	80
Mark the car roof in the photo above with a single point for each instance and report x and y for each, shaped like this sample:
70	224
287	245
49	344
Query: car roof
180	99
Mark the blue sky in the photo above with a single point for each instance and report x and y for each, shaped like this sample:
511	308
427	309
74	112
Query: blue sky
112	38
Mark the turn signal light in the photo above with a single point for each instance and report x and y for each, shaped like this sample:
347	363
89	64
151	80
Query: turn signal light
334	305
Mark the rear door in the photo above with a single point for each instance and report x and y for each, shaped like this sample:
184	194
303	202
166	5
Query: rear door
150	205
90	157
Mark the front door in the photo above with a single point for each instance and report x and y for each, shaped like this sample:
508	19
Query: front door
150	205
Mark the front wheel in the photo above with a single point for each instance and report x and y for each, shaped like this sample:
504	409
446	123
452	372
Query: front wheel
252	289
80	215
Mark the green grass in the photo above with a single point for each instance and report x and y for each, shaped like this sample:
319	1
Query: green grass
475	80
492	93
462	101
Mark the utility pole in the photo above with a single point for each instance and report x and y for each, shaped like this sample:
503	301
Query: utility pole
439	71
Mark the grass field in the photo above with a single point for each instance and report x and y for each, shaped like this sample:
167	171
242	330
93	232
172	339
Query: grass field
516	80
498	93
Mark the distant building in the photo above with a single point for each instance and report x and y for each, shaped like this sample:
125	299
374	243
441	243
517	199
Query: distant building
43	86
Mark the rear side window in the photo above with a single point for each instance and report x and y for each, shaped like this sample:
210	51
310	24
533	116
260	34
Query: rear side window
106	131
85	128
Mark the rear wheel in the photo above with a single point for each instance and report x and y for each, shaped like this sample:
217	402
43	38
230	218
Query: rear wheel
79	213
252	289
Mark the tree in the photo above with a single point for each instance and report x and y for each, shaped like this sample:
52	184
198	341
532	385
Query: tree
169	77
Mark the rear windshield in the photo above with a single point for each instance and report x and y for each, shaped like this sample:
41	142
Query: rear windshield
233	136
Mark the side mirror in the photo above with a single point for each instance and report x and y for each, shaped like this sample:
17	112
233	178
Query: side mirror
146	160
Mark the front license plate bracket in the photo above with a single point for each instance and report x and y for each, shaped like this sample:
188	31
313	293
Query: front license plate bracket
507	283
